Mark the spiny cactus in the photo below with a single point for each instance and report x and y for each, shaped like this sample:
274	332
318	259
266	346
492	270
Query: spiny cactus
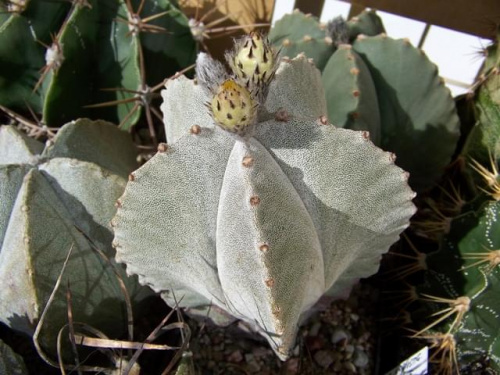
90	46
458	305
387	87
52	198
461	291
482	144
264	225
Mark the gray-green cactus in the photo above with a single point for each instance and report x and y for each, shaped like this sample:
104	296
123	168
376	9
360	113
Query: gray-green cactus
48	195
262	225
387	87
302	33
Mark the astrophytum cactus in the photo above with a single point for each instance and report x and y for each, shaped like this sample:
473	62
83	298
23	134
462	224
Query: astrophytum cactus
258	219
54	199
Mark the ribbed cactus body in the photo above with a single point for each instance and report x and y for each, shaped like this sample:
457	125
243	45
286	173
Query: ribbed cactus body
261	226
48	199
381	85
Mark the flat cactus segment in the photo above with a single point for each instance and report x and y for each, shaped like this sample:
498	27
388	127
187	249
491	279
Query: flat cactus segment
264	228
367	23
181	99
11	179
38	251
350	93
98	142
11	363
297	89
420	123
17	148
67	85
175	191
300	33
330	169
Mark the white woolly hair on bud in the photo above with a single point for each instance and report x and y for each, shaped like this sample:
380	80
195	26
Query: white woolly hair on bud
210	73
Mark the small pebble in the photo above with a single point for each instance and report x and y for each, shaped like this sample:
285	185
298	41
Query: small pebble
235	357
339	335
360	359
323	358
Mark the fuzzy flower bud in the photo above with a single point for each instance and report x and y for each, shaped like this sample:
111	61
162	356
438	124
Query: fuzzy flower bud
233	108
254	62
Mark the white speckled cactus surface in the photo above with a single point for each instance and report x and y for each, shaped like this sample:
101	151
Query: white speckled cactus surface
259	218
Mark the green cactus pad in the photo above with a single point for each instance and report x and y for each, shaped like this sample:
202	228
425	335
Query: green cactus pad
300	33
366	23
350	93
11	363
420	123
45	205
